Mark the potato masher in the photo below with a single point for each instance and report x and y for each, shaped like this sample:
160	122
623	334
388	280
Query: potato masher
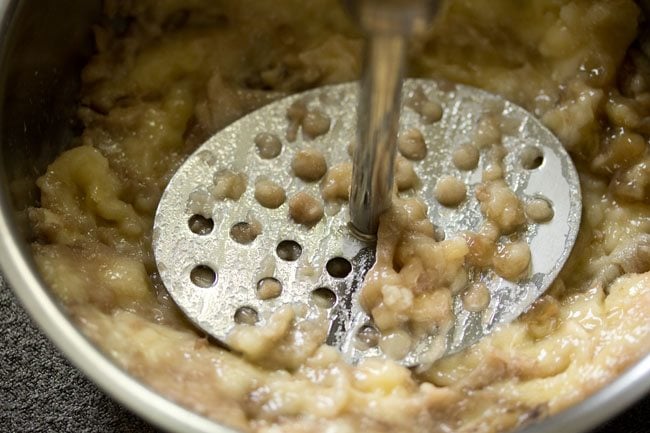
230	259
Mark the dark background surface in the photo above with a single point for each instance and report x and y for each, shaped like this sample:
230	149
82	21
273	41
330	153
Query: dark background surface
41	392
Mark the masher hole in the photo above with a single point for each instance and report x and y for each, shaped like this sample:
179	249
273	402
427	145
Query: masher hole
244	233
203	276
439	234
268	145
268	288
200	225
338	267
368	335
246	316
323	297
531	158
289	251
539	209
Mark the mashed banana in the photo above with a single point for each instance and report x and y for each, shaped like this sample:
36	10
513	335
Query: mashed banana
168	74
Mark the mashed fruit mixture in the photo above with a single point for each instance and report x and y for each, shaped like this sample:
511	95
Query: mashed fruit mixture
169	73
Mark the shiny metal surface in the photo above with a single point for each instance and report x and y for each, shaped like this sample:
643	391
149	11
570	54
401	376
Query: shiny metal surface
20	158
378	118
239	267
387	24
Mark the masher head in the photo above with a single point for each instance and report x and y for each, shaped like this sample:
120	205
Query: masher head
230	253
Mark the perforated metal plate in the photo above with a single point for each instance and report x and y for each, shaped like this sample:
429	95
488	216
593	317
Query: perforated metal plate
239	267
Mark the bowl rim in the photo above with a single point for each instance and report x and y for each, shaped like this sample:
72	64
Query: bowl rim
22	277
25	281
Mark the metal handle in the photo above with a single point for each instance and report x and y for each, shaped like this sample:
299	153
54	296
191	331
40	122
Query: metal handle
388	25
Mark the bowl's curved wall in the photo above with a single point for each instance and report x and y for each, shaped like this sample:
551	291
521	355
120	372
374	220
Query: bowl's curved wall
43	45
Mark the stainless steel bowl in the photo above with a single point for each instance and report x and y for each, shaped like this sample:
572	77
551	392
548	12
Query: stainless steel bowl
43	45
